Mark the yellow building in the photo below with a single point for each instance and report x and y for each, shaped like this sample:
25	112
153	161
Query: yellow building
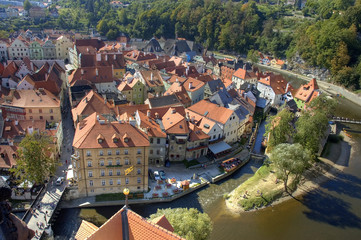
62	48
32	105
104	151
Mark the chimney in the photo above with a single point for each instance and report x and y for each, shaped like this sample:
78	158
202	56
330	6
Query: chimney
32	66
193	119
98	117
106	57
151	76
187	116
82	71
244	66
87	49
46	76
132	121
96	71
187	70
16	122
148	113
287	87
190	85
176	80
173	110
156	115
114	57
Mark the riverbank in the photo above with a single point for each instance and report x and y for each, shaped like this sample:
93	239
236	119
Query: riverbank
334	161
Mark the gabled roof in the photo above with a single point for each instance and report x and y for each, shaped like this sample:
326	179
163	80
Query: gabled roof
164	101
123	86
10	69
153	129
126	224
130	109
33	98
13	129
212	111
174	122
152	78
192	84
85	230
7	156
244	74
92	102
163	222
305	92
277	83
88	129
95	43
105	75
196	133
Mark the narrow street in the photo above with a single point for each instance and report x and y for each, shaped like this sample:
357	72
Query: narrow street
38	219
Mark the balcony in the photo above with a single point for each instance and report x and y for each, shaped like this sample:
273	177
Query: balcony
196	148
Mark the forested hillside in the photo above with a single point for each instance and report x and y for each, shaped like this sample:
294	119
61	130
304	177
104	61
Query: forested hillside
326	33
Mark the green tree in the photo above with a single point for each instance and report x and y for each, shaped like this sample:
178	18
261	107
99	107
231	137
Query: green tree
279	128
34	163
324	104
341	59
187	223
102	27
27	5
290	160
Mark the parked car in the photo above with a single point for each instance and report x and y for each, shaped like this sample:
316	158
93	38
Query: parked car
59	181
162	175
156	175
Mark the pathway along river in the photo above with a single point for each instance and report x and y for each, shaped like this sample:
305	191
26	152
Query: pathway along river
330	212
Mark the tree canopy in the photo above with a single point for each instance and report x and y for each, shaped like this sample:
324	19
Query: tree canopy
27	5
290	160
187	223
34	163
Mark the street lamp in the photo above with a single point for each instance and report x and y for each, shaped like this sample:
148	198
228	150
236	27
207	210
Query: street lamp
126	193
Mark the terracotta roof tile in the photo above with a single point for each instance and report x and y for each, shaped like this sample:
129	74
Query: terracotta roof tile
305	92
212	111
192	84
104	75
7	156
33	98
88	129
85	230
244	74
277	83
152	78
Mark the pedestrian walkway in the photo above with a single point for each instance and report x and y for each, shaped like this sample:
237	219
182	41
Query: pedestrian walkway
44	208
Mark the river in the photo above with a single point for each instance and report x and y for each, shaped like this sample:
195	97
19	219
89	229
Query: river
330	212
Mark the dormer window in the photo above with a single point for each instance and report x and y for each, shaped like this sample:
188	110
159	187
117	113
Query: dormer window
115	138
126	139
100	138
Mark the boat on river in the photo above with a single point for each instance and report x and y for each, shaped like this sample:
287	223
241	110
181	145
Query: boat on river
231	164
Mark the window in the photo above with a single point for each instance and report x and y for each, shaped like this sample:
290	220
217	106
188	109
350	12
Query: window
88	153
110	172
127	181
117	152
139	171
103	182
101	153
151	140
118	172
41	117
126	161
51	118
158	140
90	173
139	151
118	181
180	148
138	160
110	163
126	152
31	117
51	110
109	152
89	163
158	152
151	151
138	180
30	111
102	173
40	111
118	162
110	181
101	163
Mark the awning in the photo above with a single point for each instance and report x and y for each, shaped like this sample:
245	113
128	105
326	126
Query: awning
5	178
70	174
219	147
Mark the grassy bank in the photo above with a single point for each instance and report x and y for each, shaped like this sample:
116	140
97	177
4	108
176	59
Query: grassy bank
259	190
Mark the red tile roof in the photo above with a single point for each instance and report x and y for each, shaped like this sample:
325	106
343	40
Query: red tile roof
105	75
305	92
8	156
90	128
33	98
192	84
244	74
92	102
212	111
277	83
138	228
85	230
151	126
152	78
22	127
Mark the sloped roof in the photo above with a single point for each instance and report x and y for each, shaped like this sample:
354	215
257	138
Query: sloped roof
11	129
10	69
192	84
92	102
244	74
33	98
149	123
212	111
163	222
134	228
152	78
104	75
174	122
163	101
196	133
89	129
85	230
305	91
277	83
7	154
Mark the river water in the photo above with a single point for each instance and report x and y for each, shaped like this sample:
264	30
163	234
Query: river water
330	212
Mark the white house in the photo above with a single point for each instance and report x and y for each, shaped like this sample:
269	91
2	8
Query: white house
18	49
275	89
